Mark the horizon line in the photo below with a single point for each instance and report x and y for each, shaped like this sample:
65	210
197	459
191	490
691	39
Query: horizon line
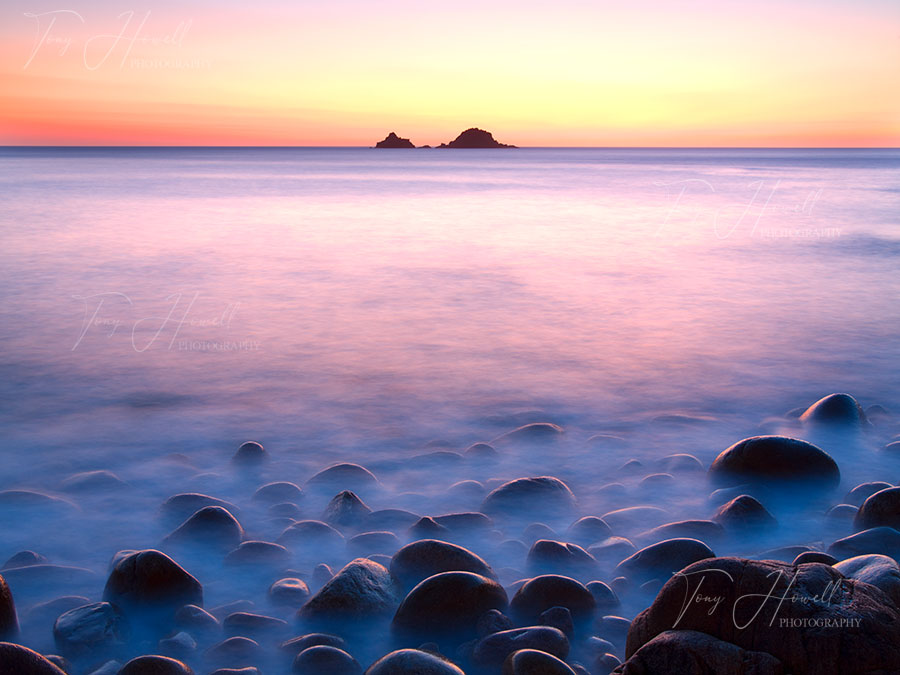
529	147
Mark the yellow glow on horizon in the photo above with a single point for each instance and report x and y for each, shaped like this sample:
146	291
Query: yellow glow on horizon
346	73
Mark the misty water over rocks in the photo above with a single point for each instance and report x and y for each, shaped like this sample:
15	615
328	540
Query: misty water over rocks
489	449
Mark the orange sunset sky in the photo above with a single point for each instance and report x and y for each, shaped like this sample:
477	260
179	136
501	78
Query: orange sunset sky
345	72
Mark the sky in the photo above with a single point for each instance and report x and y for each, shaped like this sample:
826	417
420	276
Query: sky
346	72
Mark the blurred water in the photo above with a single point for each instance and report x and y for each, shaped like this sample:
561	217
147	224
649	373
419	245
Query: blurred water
351	304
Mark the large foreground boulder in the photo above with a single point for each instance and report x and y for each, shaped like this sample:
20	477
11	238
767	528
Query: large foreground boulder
808	616
775	461
688	652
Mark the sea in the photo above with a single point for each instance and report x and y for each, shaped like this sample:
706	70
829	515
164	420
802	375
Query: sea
160	306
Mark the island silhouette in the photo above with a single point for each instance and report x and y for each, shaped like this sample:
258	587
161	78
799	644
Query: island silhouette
469	139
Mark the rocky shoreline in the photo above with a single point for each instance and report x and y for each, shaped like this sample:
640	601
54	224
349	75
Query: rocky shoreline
337	576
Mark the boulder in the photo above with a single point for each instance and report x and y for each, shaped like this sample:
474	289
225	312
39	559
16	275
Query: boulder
259	554
588	530
253	625
278	492
289	592
343	476
296	645
634	517
863	491
704	530
212	527
24	559
362	590
419	560
535	662
447	606
325	660
838	410
178	508
9	622
146	580
539	594
346	510
884	540
155	665
663	559
880	509
544	494
744	514
556	557
313	536
373	543
491	651
688	652
412	662
775	461
877	570
18	660
91	630
809	617
250	454
92	481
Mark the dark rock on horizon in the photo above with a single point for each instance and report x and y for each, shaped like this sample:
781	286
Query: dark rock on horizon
474	139
393	141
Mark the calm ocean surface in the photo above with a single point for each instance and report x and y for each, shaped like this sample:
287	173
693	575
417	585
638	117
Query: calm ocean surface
160	306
